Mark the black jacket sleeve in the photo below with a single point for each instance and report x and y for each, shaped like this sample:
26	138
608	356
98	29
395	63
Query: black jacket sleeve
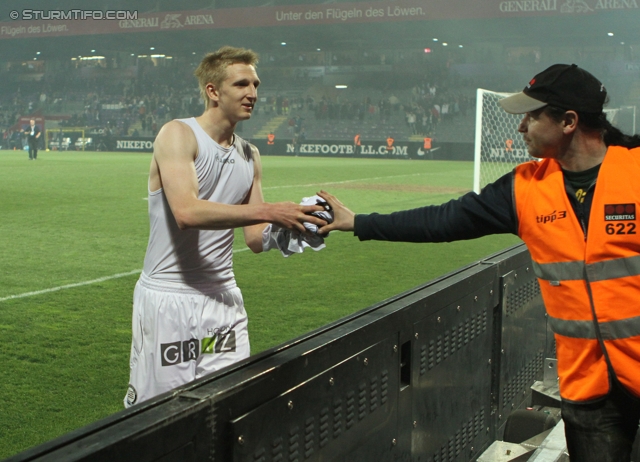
468	217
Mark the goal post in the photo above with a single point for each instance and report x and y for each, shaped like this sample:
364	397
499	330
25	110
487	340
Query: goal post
498	145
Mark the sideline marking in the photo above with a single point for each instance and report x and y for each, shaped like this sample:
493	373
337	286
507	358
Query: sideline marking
341	182
330	183
84	283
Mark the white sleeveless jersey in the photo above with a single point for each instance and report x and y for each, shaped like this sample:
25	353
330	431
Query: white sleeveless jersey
194	257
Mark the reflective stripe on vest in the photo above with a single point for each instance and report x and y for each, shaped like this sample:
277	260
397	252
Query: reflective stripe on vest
612	330
600	271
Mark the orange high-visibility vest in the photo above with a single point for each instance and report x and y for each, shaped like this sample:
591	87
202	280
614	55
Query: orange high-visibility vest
427	143
590	286
270	138
356	140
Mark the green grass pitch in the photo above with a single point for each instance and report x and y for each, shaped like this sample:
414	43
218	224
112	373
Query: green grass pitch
73	217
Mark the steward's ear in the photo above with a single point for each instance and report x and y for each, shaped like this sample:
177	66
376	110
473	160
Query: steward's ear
570	122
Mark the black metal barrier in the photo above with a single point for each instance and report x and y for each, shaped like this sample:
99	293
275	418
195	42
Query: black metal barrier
428	375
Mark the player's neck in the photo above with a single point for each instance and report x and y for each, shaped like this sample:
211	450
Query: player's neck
220	129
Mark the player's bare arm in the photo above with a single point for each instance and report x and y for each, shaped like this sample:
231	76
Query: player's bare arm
173	169
343	219
253	234
288	214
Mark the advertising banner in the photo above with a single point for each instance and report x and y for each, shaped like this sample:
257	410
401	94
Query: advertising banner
388	149
140	144
27	22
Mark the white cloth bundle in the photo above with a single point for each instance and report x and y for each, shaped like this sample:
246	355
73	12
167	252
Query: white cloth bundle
288	241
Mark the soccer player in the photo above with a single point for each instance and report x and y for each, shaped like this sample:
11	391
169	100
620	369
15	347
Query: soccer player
577	211
188	314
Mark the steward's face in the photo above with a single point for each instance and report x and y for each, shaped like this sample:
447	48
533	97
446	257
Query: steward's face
542	134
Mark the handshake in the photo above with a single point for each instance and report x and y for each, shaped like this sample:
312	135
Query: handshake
326	214
291	241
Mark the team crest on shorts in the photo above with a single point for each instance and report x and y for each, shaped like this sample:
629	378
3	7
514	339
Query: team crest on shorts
132	396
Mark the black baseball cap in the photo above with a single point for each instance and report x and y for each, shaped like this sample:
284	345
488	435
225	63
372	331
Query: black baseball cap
562	85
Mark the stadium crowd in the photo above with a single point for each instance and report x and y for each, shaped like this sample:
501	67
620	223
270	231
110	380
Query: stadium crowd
429	99
138	101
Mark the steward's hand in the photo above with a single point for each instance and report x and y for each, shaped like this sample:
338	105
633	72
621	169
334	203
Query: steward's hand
343	218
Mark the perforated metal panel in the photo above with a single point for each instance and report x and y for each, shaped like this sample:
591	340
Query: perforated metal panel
327	417
452	399
523	340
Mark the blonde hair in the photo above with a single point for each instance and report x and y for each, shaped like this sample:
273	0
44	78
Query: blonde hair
213	68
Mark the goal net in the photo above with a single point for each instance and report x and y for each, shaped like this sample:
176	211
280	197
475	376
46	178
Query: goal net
499	146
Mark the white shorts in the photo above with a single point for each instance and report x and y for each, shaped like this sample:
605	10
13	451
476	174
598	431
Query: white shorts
180	334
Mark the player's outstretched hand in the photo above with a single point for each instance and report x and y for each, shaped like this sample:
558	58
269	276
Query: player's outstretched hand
343	218
293	216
